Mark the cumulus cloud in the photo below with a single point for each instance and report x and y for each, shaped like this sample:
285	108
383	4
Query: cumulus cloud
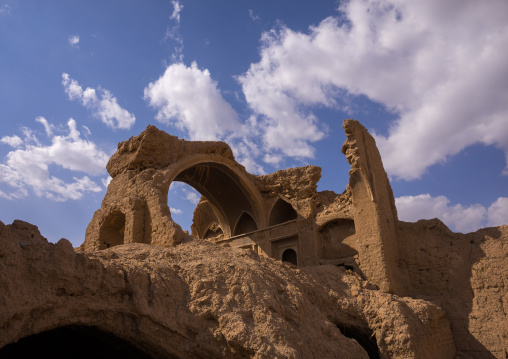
13	141
102	104
498	212
189	99
73	40
270	88
457	217
175	210
439	66
192	195
246	151
29	167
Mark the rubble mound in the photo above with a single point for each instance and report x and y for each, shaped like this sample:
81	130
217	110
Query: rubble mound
202	300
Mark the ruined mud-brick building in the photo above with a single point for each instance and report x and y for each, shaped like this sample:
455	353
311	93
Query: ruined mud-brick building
280	215
446	291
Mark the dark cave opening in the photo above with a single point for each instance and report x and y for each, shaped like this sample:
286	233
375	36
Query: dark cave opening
77	342
366	340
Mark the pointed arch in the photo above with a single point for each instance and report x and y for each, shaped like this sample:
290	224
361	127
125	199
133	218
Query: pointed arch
213	230
245	224
281	212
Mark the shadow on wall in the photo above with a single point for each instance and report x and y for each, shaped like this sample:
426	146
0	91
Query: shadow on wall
282	212
112	231
245	224
453	270
338	239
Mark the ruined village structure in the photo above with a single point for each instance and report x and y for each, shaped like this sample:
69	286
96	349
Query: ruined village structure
315	274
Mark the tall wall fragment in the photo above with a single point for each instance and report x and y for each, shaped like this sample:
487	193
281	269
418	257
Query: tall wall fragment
374	211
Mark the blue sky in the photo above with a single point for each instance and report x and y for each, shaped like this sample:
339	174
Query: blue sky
274	79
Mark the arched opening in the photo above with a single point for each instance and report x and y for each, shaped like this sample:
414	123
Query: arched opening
183	200
77	342
226	194
213	231
289	255
282	212
245	224
112	230
364	337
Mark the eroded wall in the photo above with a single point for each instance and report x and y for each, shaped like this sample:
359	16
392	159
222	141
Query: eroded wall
201	300
359	230
467	275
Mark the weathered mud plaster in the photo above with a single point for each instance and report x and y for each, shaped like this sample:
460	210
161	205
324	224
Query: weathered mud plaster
200	299
374	211
135	208
280	215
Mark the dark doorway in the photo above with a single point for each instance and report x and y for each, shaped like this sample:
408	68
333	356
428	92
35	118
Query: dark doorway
289	255
77	342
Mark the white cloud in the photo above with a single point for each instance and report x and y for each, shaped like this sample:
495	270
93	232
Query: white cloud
103	106
173	32
498	212
457	217
47	126
189	99
175	210
191	195
269	88
175	185
106	181
13	141
29	167
177	8
438	65
74	40
246	150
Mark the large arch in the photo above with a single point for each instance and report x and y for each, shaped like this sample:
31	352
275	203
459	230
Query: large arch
229	190
144	167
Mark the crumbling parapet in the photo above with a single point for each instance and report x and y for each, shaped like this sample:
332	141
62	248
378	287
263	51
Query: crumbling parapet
374	211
